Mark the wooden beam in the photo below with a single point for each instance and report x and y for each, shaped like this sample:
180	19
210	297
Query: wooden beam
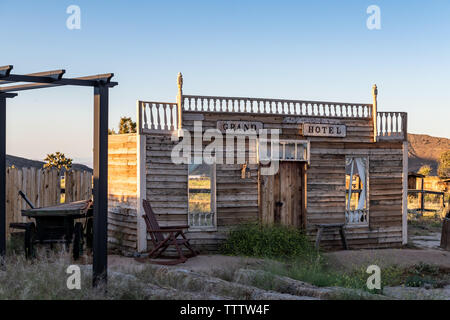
89	81
2	175
44	77
5	70
100	258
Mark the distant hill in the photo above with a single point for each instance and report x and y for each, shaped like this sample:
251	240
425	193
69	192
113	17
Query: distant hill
26	163
424	149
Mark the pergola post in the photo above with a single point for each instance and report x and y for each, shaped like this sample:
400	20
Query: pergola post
3	97
100	258
2	175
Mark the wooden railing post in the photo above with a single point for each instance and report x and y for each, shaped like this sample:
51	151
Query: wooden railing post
405	126
374	112
139	124
179	102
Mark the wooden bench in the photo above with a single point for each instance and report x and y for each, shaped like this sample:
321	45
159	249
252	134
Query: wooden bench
322	227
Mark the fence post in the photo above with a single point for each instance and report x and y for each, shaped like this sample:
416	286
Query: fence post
422	198
374	112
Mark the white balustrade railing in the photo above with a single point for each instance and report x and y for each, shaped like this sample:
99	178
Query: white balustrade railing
163	116
157	116
276	106
392	125
357	217
201	219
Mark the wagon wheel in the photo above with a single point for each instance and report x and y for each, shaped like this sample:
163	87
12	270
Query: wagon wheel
30	236
89	233
78	241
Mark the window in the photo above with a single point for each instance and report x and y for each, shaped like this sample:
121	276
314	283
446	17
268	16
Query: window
201	195
285	150
356	182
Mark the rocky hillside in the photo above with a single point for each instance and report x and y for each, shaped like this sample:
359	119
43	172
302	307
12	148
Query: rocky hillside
26	163
424	149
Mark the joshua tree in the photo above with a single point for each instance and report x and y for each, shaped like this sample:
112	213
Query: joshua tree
127	125
425	170
57	160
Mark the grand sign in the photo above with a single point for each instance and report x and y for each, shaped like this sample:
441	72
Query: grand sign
239	126
324	130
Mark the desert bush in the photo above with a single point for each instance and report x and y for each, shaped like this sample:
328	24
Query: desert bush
276	241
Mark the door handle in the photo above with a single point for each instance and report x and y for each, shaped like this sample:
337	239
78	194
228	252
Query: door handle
279	204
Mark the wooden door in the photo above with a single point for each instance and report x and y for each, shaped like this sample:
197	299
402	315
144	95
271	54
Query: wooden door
282	196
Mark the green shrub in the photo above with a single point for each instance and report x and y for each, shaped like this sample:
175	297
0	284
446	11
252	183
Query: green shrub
275	241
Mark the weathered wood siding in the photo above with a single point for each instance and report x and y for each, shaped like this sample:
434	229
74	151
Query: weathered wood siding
122	187
239	200
326	192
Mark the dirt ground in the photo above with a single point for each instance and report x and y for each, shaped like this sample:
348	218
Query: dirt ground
200	263
341	260
348	260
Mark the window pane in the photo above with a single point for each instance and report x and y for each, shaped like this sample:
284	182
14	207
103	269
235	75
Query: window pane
356	183
300	152
200	188
290	151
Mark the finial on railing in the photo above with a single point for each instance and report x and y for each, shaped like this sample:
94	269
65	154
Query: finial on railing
179	101
374	91
374	111
180	81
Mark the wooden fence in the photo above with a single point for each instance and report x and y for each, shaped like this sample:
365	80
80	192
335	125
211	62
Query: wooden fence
43	188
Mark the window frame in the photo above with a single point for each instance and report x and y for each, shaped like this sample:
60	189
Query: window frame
213	203
282	143
367	171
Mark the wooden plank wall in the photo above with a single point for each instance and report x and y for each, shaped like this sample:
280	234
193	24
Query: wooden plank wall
326	193
122	188
78	185
43	188
238	199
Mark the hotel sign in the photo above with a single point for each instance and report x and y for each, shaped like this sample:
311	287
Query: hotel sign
324	130
239	126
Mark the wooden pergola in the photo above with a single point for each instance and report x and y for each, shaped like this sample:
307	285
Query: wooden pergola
12	83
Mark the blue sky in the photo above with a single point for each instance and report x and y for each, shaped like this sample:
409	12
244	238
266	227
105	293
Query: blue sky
312	50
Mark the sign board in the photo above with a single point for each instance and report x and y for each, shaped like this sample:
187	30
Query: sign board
324	130
239	126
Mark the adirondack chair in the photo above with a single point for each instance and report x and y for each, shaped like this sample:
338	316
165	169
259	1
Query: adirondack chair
164	237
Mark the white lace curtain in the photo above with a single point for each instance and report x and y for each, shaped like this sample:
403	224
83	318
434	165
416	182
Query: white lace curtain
360	164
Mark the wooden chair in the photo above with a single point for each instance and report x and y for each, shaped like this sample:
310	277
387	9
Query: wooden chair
164	237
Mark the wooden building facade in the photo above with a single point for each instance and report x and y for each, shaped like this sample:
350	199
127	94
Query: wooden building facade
293	162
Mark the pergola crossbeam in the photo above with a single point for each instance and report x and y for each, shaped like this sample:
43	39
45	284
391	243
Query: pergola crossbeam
45	77
88	81
5	70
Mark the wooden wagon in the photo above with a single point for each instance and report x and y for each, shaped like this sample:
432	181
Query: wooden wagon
69	223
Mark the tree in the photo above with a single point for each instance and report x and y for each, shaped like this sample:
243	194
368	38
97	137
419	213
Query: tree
444	165
127	125
424	170
57	160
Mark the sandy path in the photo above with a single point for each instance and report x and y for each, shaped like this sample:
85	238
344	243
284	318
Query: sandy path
342	260
347	260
